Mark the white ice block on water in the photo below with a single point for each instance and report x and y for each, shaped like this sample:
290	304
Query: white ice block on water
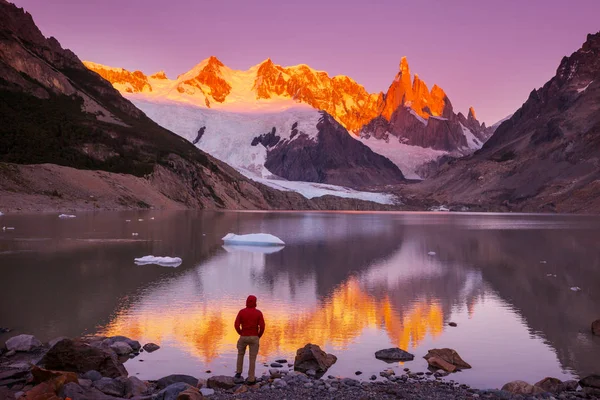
1	213
162	261
253	239
66	216
261	249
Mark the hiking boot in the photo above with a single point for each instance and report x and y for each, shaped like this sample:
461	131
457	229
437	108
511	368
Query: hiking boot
250	383
238	378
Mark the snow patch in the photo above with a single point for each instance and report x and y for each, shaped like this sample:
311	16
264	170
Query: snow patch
64	216
407	158
497	124
417	116
311	190
584	88
162	261
472	142
253	239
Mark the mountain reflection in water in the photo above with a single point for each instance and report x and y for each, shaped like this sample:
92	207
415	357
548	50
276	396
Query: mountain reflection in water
353	283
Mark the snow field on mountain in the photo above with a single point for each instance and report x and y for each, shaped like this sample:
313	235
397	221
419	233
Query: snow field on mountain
408	158
228	137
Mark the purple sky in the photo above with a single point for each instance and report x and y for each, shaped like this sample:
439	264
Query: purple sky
489	54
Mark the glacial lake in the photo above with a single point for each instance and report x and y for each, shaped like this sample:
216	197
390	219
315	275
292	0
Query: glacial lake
352	283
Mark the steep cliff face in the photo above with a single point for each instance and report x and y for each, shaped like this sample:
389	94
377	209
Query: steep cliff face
55	110
546	156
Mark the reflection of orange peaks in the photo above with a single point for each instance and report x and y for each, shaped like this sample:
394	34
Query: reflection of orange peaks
342	318
212	84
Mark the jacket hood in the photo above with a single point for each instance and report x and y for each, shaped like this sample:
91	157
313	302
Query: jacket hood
251	301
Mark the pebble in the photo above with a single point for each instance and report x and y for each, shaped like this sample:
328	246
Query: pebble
358	373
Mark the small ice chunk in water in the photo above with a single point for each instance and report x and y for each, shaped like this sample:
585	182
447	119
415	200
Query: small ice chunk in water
576	288
141	219
162	261
431	253
269	249
543	262
134	234
151	217
1	213
253	239
8	228
127	220
66	216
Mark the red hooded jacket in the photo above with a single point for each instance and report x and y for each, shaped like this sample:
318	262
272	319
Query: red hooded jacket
250	321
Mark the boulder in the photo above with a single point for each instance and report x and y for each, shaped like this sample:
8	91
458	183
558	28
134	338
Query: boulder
394	354
570	385
592	381
22	343
135	387
112	387
176	378
190	394
596	327
42	375
551	385
172	391
521	387
312	357
56	340
437	362
92	375
450	356
220	382
121	348
150	347
49	389
134	344
78	356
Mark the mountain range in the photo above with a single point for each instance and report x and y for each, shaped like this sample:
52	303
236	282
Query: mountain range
92	136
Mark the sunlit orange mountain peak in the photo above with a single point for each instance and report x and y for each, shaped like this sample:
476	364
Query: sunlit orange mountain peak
212	84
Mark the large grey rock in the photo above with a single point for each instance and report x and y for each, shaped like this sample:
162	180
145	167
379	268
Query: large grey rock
92	375
220	382
312	357
121	348
172	391
592	381
135	387
394	354
134	344
571	385
78	356
521	387
176	378
112	387
22	343
552	385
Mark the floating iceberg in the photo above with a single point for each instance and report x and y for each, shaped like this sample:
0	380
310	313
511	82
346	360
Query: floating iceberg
162	261
431	253
1	213
8	228
140	219
253	239
134	234
66	216
440	208
254	249
576	288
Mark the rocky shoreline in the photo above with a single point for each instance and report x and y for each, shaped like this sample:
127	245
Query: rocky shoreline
92	369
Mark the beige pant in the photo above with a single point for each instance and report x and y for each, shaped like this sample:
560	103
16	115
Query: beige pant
252	342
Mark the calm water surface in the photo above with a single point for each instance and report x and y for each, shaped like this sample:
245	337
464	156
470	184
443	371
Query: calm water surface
353	283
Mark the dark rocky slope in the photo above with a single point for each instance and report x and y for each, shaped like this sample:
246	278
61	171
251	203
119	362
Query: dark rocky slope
546	157
54	110
332	157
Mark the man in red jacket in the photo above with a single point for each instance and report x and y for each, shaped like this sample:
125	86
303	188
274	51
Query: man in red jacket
250	325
